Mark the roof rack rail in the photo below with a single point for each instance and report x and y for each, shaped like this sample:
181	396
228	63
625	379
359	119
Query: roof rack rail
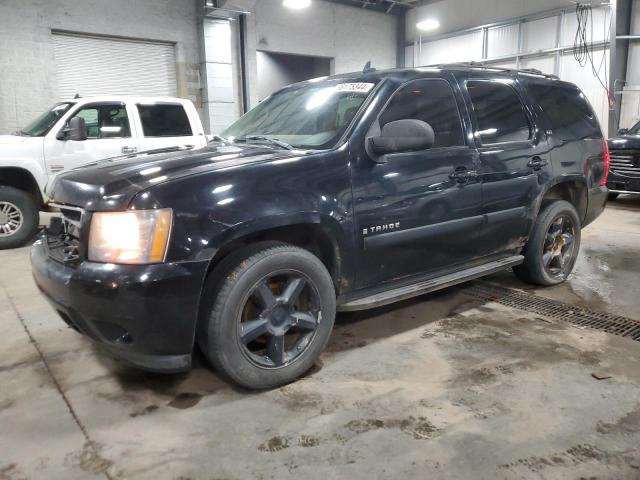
530	71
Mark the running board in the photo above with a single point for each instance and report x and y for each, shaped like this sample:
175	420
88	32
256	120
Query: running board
430	285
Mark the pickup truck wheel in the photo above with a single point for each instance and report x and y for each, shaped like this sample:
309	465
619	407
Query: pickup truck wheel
552	250
18	217
268	314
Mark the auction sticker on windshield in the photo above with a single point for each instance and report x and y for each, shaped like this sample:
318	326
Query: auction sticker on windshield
360	87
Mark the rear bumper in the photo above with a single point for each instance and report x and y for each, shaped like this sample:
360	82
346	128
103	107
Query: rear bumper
144	314
596	201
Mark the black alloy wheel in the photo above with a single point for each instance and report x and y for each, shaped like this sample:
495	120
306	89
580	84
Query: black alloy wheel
279	319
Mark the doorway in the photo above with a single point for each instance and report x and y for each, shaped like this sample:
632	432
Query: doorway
276	70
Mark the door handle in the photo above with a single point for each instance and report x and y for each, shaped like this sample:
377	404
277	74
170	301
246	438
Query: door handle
462	175
129	149
536	163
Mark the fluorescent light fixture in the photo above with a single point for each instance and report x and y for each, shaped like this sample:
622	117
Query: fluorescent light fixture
428	25
296	4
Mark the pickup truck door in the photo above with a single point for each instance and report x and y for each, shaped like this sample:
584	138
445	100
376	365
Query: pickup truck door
168	124
109	133
418	212
514	161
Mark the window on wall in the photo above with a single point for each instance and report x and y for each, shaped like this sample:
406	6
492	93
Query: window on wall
431	101
105	120
164	121
500	115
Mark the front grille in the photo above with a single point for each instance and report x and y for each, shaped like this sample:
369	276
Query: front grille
63	234
625	164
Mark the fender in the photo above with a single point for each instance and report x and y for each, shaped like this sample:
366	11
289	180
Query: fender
567	178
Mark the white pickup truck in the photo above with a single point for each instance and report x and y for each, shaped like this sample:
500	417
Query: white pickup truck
79	131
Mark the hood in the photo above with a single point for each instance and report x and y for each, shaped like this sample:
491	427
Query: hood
624	142
112	183
12	139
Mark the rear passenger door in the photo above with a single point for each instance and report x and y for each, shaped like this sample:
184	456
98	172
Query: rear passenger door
514	161
164	125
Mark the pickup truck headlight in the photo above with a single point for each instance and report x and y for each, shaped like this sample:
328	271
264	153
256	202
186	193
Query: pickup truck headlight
134	236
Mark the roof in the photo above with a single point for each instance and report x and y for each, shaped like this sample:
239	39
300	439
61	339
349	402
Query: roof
120	98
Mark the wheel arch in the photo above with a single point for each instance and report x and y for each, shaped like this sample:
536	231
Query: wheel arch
21	179
571	189
320	234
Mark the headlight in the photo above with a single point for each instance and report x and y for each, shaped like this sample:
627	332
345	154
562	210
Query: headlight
135	236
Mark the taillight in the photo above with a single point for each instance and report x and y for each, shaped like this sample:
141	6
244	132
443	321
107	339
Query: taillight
606	157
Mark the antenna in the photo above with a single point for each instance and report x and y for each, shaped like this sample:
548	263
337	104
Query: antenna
368	68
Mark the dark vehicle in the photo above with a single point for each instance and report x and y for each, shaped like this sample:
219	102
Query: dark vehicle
624	172
344	193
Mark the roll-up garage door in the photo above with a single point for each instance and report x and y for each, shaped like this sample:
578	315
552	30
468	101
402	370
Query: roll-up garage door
90	65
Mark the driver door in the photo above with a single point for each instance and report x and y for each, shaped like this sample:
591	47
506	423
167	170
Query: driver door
109	133
418	212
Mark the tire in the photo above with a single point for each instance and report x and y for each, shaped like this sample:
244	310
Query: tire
555	241
18	217
235	295
613	196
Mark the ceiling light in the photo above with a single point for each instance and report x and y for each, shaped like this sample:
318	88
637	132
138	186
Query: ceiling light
428	25
296	4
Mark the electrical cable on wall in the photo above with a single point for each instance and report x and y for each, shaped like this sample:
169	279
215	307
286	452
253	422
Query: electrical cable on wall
583	46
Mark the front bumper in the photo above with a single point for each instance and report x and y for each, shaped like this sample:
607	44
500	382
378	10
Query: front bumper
144	314
617	183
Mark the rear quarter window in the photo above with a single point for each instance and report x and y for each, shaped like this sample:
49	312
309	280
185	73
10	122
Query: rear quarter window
164	120
568	111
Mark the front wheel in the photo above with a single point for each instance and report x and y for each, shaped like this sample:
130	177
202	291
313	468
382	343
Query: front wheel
552	250
267	316
18	217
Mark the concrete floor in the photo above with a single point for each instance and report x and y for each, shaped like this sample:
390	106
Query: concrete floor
444	386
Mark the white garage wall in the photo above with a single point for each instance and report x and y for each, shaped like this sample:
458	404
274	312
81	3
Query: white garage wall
521	43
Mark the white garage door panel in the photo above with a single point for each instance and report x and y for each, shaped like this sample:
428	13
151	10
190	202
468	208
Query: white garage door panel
100	66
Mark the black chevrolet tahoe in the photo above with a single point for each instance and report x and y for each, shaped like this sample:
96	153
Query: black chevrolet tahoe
336	194
624	172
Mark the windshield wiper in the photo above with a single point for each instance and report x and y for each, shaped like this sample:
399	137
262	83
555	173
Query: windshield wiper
247	138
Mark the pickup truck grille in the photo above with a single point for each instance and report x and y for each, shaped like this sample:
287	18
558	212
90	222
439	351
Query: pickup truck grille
63	235
625	163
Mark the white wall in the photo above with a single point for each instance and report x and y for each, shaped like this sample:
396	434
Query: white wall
276	70
504	41
459	14
28	75
350	36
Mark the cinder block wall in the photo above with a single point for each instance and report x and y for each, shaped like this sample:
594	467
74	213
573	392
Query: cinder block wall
27	63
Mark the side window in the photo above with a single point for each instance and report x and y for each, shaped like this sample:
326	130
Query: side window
106	120
164	120
568	110
499	113
431	101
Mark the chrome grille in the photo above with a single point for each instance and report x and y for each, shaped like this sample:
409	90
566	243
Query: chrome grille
71	218
625	164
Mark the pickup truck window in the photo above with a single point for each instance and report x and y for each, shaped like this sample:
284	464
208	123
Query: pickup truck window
164	120
499	113
431	101
105	120
41	125
568	110
313	115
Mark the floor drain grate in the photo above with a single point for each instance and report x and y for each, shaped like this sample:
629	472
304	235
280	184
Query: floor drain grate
615	324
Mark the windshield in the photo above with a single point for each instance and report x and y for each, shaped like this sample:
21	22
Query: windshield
635	129
313	115
41	125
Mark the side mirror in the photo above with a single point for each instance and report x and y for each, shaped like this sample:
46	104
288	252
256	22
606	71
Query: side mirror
405	135
76	130
623	131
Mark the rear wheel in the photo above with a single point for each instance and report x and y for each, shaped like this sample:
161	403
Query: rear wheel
553	247
268	314
18	217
